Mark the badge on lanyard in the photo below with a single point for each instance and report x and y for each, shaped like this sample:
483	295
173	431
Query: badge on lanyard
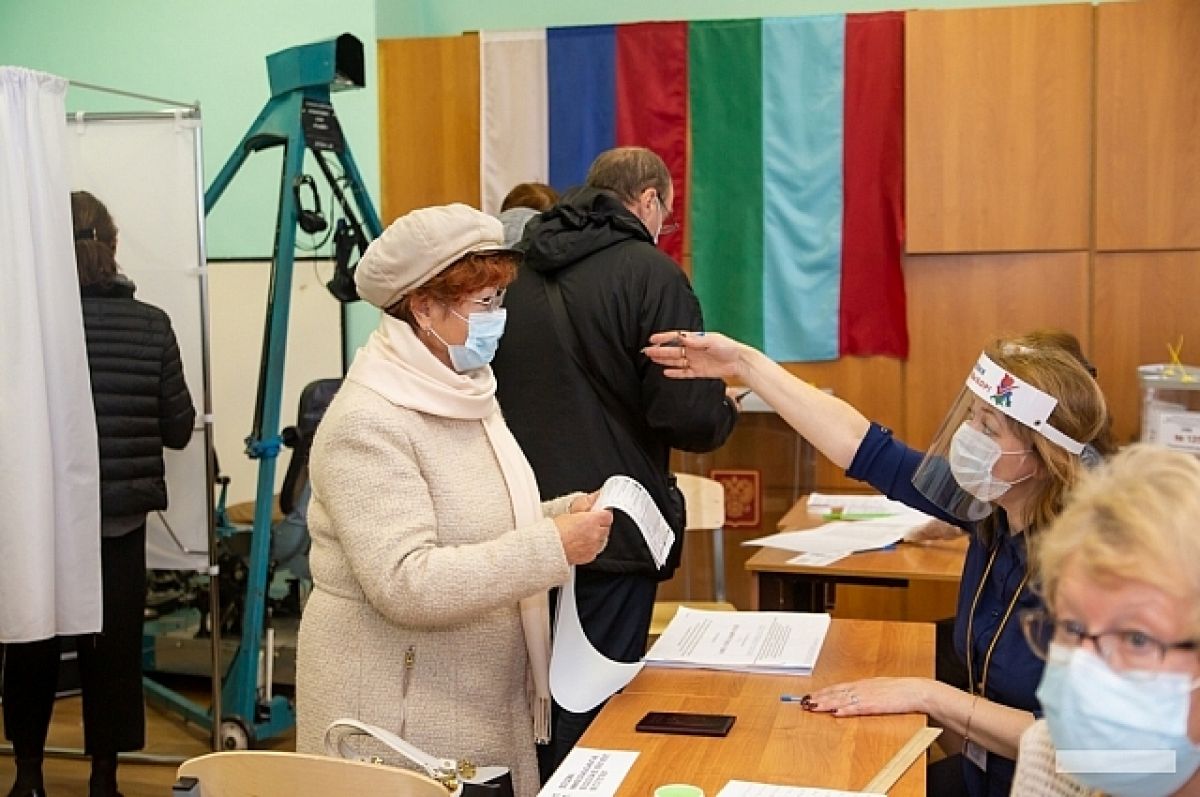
976	754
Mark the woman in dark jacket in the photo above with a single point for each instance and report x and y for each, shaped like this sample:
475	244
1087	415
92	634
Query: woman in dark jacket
142	404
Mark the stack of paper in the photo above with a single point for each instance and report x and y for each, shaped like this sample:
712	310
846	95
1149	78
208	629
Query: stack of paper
866	522
768	642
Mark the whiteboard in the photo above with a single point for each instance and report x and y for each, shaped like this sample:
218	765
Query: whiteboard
145	169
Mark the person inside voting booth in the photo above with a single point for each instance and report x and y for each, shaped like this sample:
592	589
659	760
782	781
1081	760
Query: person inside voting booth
432	551
1000	467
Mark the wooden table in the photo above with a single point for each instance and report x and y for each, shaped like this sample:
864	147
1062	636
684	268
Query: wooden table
777	585
773	741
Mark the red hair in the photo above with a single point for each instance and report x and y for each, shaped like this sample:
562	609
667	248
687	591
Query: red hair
471	273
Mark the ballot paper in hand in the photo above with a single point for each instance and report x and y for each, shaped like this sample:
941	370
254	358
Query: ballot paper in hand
766	642
582	677
625	494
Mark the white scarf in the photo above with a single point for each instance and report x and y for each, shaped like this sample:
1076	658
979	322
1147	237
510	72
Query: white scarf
395	364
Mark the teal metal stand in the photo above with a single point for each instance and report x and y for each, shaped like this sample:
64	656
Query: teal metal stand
298	117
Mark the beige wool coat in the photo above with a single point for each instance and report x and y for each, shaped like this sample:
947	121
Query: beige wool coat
413	623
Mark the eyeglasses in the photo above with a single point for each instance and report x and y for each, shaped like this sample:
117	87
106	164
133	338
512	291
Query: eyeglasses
1120	649
668	226
493	302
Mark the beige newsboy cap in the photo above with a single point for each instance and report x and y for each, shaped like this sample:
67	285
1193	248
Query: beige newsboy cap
419	245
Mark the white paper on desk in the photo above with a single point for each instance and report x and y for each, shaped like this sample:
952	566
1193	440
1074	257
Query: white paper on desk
588	771
818	559
582	677
845	536
743	788
821	503
625	494
771	642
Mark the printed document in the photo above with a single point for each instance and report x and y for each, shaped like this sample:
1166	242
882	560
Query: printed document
625	494
765	642
823	503
588	772
846	536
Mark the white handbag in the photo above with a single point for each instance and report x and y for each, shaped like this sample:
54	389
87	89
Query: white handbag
461	778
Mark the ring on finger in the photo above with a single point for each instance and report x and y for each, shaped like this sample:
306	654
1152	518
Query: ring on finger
853	699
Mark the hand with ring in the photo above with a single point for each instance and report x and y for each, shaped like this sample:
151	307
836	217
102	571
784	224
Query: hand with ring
871	696
688	355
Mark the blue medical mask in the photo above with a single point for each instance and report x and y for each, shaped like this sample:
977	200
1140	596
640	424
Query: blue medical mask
1090	706
484	331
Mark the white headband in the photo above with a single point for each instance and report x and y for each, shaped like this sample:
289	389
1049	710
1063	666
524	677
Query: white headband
1018	400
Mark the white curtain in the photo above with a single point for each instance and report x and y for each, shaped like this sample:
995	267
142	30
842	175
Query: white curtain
144	170
49	468
513	106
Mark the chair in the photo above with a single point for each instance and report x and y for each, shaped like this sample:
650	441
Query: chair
260	773
705	512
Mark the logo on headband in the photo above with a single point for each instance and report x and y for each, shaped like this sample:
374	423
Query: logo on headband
1004	391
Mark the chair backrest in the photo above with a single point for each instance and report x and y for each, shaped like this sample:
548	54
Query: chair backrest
705	501
260	773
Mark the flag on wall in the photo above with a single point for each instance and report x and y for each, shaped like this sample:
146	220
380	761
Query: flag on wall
552	100
798	152
794	174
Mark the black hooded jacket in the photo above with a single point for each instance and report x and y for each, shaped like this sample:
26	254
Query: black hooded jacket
618	288
142	402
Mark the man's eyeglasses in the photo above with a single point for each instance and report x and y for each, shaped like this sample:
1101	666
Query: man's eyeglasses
1120	649
668	226
490	303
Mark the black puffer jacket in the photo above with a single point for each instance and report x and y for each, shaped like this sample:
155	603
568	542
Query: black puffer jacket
141	400
618	288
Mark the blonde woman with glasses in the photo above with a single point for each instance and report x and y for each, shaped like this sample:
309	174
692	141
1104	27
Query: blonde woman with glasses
1120	570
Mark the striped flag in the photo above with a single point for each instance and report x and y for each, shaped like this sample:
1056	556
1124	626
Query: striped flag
797	183
790	191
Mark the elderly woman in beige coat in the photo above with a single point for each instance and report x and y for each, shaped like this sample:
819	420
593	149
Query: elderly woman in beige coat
431	551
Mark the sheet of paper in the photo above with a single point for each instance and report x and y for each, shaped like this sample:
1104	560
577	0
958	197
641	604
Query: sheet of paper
822	503
775	642
625	494
582	677
845	536
817	559
591	772
743	788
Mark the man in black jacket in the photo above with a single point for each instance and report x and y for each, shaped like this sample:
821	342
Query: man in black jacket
142	404
586	404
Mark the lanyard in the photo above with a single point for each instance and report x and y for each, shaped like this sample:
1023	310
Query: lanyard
987	658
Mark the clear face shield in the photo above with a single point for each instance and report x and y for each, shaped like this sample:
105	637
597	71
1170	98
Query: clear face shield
975	458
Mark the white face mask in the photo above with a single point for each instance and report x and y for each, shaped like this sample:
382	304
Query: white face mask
1099	717
972	457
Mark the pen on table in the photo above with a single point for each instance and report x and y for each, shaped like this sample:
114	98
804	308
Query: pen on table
801	699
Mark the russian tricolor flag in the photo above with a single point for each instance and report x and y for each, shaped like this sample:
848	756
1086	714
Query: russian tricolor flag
785	137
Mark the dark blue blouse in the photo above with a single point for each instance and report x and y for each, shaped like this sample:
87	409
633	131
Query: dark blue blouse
1014	672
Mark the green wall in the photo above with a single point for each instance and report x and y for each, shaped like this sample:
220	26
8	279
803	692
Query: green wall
213	51
400	18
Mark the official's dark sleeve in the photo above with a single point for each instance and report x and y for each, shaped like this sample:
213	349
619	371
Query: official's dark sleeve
690	414
176	415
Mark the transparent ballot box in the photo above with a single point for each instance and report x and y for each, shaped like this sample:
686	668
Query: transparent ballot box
1171	406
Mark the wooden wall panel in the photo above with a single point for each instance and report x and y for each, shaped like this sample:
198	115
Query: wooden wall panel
1148	125
429	122
1142	301
874	385
998	128
957	303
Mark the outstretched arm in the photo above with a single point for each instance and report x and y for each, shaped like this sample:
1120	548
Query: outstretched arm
834	427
